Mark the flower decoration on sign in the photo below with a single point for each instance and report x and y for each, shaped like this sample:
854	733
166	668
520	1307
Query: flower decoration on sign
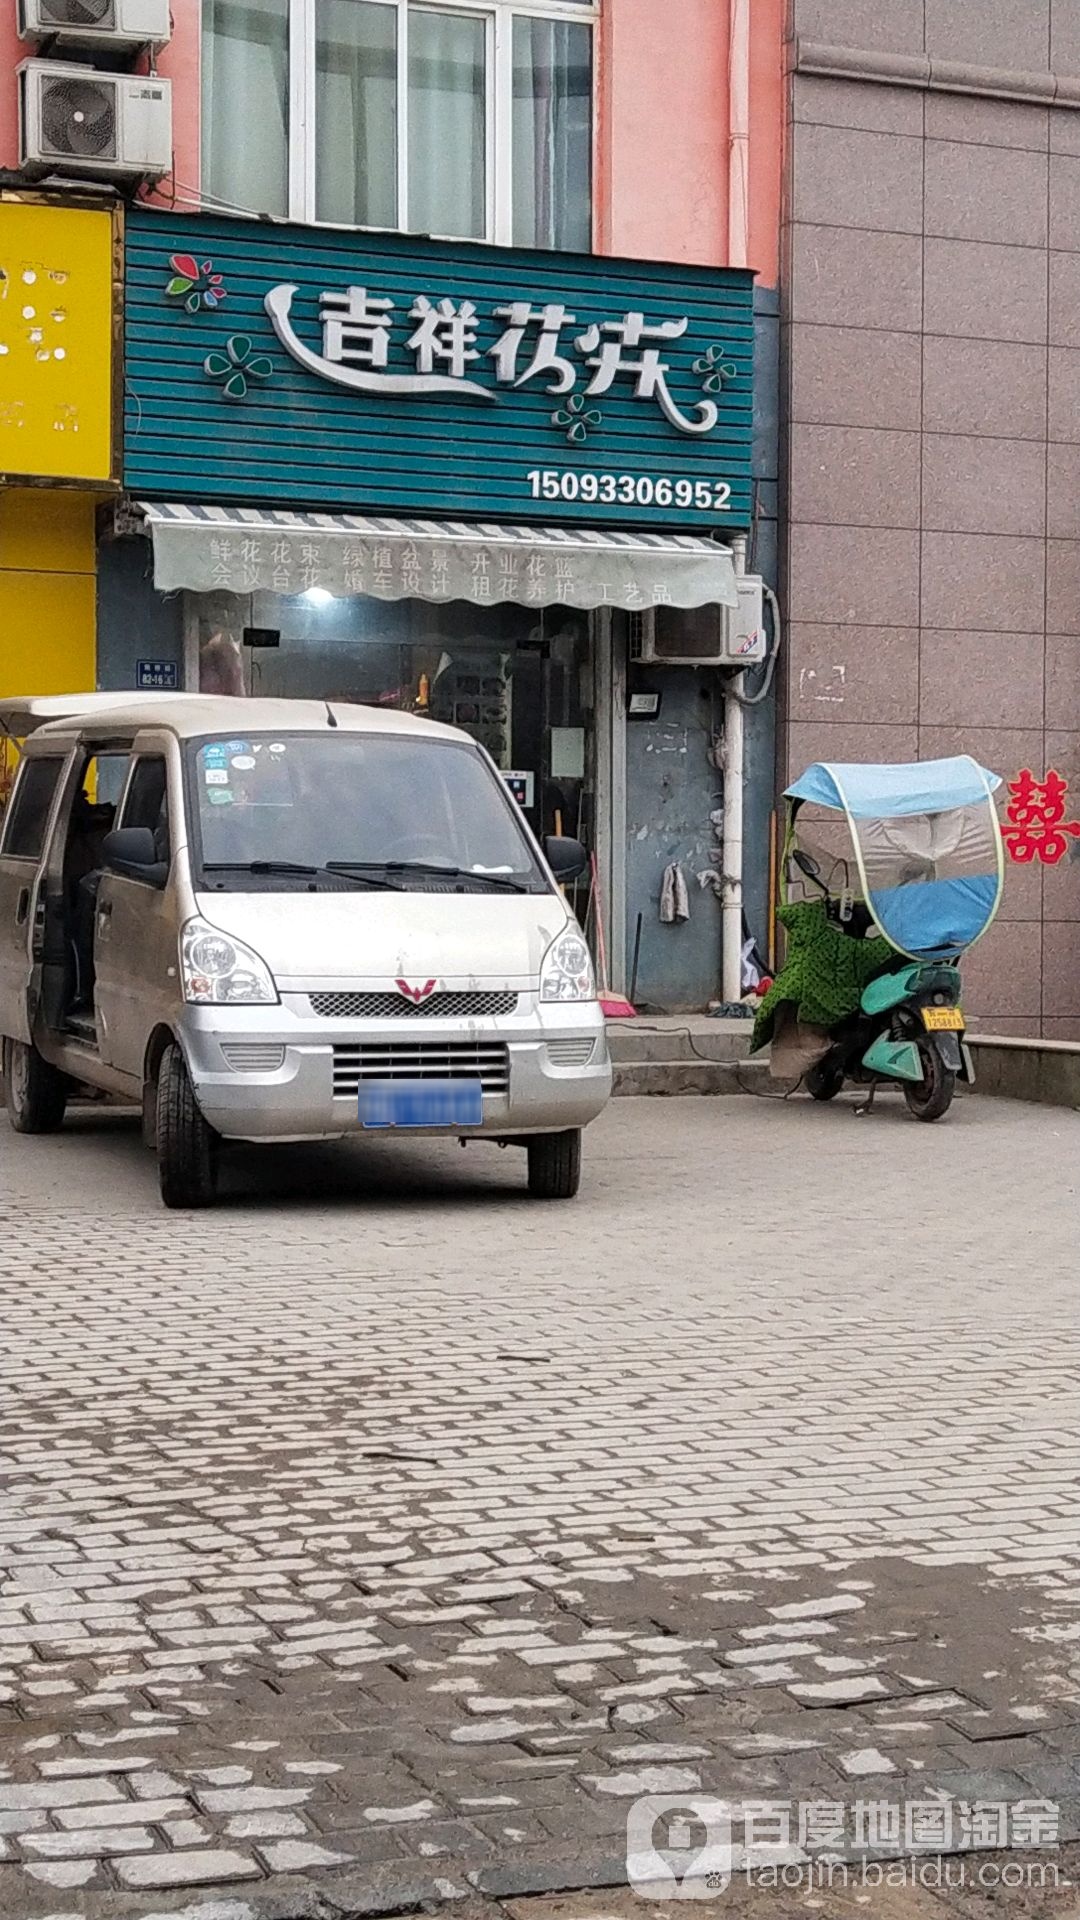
577	418
715	370
199	286
238	365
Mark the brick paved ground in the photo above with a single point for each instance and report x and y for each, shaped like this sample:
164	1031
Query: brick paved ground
383	1535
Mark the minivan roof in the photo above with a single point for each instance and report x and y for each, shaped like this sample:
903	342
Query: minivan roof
23	714
190	715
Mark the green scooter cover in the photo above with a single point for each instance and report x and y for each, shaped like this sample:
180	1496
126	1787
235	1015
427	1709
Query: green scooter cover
825	971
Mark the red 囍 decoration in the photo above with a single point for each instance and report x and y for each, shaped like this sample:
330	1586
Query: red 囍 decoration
1036	825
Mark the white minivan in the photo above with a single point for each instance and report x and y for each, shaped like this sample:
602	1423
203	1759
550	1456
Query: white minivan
286	920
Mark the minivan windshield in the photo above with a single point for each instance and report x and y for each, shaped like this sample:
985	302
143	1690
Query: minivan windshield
344	809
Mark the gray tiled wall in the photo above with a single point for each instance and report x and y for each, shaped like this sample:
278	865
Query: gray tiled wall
931	354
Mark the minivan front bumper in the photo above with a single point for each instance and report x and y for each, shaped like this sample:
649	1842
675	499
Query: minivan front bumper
279	1073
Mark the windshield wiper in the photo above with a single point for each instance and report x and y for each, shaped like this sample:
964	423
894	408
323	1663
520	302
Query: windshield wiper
428	867
332	872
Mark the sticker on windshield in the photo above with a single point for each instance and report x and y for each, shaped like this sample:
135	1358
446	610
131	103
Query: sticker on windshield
236	746
244	761
277	746
214	756
217	777
220	799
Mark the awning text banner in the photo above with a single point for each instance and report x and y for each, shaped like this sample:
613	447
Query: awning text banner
210	549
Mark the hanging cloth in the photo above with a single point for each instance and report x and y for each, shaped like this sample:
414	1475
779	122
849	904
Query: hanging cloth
674	898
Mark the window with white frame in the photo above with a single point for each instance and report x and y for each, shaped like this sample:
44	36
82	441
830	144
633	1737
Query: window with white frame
470	119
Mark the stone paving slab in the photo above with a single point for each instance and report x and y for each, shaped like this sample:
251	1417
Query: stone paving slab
382	1537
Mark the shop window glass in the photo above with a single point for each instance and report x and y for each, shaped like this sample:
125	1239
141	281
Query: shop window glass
552	134
221	661
356	113
245	81
31	804
515	678
403	88
447	86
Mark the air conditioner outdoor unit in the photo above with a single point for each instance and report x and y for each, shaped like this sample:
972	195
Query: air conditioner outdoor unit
703	636
73	119
109	23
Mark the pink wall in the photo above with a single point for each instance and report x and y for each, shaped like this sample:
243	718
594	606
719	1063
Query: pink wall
12	50
180	62
663	125
662	122
767	124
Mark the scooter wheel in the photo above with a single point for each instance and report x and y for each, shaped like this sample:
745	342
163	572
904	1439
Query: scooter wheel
824	1081
931	1097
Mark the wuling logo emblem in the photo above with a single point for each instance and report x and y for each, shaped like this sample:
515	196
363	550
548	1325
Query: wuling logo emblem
415	994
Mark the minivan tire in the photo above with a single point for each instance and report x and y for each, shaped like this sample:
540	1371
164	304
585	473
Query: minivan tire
35	1093
555	1165
187	1146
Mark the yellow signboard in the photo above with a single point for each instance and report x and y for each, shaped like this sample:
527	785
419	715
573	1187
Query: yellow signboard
57	341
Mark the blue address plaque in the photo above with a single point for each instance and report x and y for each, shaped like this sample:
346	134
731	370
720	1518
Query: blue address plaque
311	367
157	676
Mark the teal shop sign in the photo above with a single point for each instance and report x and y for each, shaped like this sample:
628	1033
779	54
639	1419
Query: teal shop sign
310	367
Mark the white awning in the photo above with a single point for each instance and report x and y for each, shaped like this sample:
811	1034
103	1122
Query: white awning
245	550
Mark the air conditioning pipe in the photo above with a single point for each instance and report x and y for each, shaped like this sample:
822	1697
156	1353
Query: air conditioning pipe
733	763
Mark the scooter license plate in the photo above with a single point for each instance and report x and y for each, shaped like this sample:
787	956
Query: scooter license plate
943	1019
421	1103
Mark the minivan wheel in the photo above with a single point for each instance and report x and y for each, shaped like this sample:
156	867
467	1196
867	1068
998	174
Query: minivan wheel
555	1165
187	1145
35	1093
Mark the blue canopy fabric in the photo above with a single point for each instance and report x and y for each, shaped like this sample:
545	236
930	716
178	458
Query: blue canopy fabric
936	917
927	844
885	792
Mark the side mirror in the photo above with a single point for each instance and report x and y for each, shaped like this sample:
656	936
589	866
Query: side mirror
566	857
131	853
806	865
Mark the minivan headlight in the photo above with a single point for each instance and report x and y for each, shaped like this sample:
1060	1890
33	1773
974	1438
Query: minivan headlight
218	970
567	969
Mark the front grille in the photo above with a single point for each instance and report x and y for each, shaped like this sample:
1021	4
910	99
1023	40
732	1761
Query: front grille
570	1053
488	1061
253	1056
395	1006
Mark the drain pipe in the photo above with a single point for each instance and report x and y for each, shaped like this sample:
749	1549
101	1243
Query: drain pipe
733	758
734	716
739	134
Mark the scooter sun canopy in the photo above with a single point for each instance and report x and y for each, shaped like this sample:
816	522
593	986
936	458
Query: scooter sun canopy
927	843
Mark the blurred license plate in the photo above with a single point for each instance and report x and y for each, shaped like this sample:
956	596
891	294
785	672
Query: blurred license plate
421	1103
943	1019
